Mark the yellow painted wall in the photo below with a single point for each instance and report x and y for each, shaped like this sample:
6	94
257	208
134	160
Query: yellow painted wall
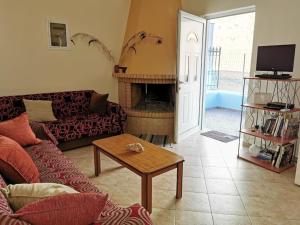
160	18
27	65
276	21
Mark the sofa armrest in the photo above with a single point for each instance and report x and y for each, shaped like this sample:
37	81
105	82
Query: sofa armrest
114	108
42	132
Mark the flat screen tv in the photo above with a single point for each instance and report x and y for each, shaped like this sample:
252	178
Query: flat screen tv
276	58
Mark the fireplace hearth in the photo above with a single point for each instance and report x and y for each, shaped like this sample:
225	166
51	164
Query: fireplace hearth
149	102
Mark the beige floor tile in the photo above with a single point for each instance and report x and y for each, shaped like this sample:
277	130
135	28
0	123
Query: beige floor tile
269	221
165	181
163	199
192	161
193	202
192	184
193	218
212	162
119	179
294	222
234	162
216	173
252	189
226	204
221	219
262	207
163	216
290	208
239	174
125	196
217	186
193	171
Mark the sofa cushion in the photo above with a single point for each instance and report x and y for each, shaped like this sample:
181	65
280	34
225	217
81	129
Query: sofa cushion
15	163
98	103
42	132
39	110
19	195
19	130
81	208
84	125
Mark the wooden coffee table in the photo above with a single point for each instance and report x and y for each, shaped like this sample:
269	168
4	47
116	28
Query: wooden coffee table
148	164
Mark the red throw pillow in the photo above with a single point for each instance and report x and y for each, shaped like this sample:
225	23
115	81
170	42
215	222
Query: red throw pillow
15	163
75	209
19	130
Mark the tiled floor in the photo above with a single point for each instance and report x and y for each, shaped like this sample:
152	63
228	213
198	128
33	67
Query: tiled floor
218	188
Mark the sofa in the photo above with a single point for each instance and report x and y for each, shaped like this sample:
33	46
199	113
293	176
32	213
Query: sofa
75	126
54	167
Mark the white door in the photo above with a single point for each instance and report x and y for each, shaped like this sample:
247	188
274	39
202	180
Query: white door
190	74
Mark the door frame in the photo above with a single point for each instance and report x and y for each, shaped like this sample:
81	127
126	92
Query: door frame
216	15
231	12
182	14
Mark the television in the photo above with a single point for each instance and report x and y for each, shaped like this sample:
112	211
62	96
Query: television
276	58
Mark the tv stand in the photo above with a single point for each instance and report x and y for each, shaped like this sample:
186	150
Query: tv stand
274	76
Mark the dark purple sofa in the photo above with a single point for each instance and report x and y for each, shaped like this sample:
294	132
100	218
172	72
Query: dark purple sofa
75	126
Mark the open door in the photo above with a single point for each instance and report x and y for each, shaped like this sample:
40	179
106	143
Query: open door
190	74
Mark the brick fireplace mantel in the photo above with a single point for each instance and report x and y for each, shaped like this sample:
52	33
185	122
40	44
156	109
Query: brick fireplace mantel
146	78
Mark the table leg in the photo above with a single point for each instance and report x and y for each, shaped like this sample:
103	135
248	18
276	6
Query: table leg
97	161
179	180
147	192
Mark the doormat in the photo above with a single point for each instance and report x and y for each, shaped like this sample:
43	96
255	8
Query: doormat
219	136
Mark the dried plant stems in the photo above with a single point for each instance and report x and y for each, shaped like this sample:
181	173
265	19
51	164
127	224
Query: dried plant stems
96	42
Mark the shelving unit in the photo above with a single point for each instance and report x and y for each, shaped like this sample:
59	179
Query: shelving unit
282	91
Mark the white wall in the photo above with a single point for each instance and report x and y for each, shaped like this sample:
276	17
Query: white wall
276	21
27	65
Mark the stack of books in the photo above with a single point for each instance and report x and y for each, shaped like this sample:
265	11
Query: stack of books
279	156
281	127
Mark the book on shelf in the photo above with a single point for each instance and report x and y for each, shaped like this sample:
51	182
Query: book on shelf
287	152
279	126
279	156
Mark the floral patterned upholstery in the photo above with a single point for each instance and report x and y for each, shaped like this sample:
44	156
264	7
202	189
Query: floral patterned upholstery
71	109
54	167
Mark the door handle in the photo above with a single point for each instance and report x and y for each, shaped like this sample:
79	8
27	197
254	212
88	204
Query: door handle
178	82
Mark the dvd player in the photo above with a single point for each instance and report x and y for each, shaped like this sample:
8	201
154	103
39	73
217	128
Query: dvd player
272	76
279	105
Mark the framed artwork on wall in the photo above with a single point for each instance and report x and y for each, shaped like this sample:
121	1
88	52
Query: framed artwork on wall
58	34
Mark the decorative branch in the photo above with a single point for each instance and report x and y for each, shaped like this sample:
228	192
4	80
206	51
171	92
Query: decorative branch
137	39
96	42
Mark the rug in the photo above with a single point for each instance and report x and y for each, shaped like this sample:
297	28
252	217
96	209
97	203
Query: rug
219	136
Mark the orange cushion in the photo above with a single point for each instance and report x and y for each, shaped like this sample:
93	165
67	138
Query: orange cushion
15	163
75	209
19	130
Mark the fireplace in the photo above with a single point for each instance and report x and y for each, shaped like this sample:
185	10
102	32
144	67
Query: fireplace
149	102
153	97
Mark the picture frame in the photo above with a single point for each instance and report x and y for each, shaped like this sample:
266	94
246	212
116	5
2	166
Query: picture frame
58	34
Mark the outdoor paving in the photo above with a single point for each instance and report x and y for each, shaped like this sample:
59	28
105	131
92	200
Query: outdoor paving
223	120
